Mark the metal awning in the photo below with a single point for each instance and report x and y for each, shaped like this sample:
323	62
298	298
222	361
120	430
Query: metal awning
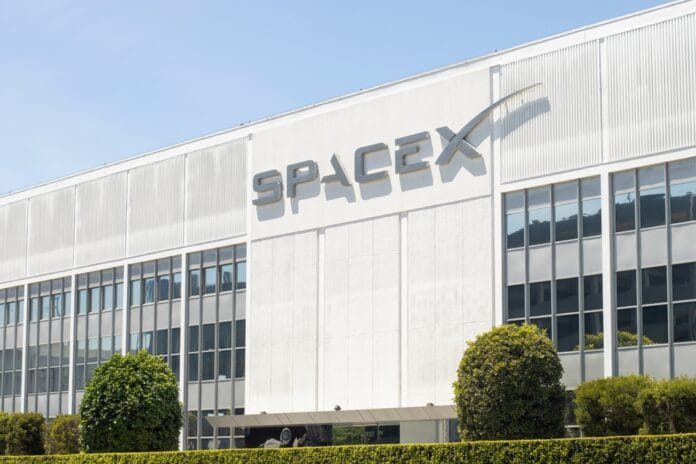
348	417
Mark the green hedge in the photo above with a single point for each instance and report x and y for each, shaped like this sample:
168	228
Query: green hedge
615	450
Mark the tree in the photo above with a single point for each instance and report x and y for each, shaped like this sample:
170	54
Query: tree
62	435
669	406
509	386
609	407
24	434
131	404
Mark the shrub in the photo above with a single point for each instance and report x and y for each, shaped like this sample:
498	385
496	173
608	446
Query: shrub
63	435
609	407
669	406
4	422
131	404
509	386
24	434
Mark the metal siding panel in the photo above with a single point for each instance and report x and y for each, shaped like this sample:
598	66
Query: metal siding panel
51	232
216	192
555	127
13	241
100	220
652	89
156	207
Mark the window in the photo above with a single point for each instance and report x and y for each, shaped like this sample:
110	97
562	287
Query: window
226	278
161	342
568	333
239	367
685	322
682	175
45	307
163	288
135	298
539	298
241	275
195	282
544	324
593	292
566	211
210	279
176	285
94	299
567	295
654	285
654	324
539	215
652	196
624	201
57	305
108	297
625	288
594	322
591	207
627	327
514	219
119	296
149	290
684	281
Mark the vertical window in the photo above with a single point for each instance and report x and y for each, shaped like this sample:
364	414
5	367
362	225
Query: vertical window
682	177
57	305
593	292
161	338
194	282
539	298
684	281
67	298
568	332
34	310
654	324
163	288
594	337
654	285
685	322
239	366
591	207
210	278
149	293
567	295
624	201
514	219
135	298
515	301
226	278
625	288
240	275
14	308
565	198
539	215
652	196
176	285
45	307
119	296
108	297
95	299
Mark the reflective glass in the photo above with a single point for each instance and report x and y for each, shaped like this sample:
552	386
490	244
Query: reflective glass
594	337
240	275
515	298
225	335
208	337
593	292
210	278
625	288
108	297
239	366
624	209
34	308
57	305
2	313
161	337
176	339
627	327
20	312
685	322
193	338
539	298
119	296
12	310
226	278
208	365
240	333
515	229
135	298
591	217
683	202
147	341
194	282
544	324
94	299
92	350
654	325
654	285
567	333
684	281
163	288
566	221
652	207
539	225
567	295
176	285
193	367
149	291
45	307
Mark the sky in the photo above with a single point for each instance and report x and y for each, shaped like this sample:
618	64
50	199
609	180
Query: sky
85	83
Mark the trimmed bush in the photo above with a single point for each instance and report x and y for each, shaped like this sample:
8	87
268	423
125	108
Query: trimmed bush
509	386
24	434
131	404
662	449
63	435
4	423
609	406
669	406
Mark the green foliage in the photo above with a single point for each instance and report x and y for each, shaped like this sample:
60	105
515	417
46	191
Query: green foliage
509	386
63	435
596	341
24	434
669	406
609	407
131	404
662	449
4	422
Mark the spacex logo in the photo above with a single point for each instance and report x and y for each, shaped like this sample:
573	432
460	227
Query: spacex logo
269	184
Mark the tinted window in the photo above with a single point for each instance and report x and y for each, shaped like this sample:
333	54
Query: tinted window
566	221
240	333
567	333
683	202
652	207
515	301
208	337
135	293
684	281
176	285
654	285
627	327
108	297
539	298
149	290
195	282
208	366
625	288
655	325
225	335
225	364
210	276
241	275
593	292
685	322
239	367
624	208
539	225
591	217
515	229
226	278
594	323
566	295
163	288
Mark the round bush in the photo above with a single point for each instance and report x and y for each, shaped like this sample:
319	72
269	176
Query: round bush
63	435
131	404
509	386
24	434
669	406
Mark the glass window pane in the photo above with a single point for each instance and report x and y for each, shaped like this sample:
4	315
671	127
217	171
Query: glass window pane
539	298
654	325
92	350
593	292
683	202
163	288
624	201
594	336
566	221
241	275
94	299
515	301
239	367
208	337
119	296
161	341
225	335
685	322
684	281
195	282
210	277
567	333
2	314
176	339
567	295
625	288
591	217
208	366
193	338
34	309
515	229
176	285
225	365
57	305
108	297
226	278
147	341
652	207
193	367
240	333
135	298
544	324
627	327
45	307
654	285
149	293
539	224
14	312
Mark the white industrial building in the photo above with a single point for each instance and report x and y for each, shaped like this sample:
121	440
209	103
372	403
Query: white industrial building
324	268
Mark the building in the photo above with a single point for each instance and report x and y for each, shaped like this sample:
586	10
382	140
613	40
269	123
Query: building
327	266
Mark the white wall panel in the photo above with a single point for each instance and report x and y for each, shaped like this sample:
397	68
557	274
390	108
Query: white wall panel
51	232
449	294
557	126
652	89
100	220
156	206
216	192
13	241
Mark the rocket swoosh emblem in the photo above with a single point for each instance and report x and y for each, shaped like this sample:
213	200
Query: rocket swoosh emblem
459	142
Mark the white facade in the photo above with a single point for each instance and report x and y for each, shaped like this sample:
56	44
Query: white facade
364	296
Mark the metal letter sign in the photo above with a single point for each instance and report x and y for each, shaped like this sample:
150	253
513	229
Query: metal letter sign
269	184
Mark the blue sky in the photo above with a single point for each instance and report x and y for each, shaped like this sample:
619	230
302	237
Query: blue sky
84	83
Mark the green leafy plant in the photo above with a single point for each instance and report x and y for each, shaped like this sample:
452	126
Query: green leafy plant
596	341
669	406
62	435
4	422
24	434
131	404
609	407
509	386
